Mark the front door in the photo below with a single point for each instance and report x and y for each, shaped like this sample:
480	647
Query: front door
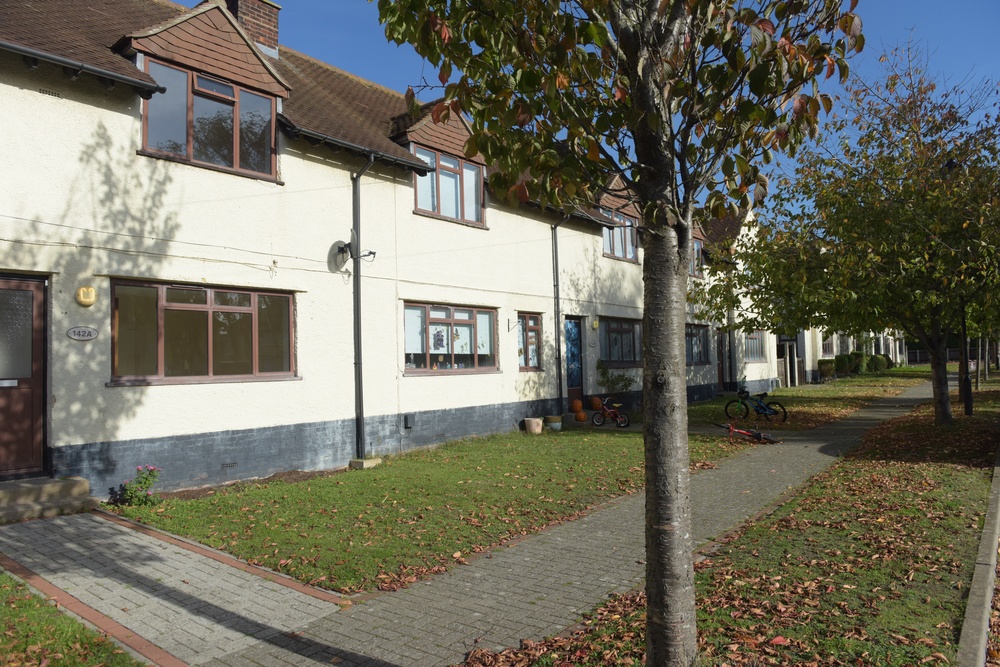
574	359
22	375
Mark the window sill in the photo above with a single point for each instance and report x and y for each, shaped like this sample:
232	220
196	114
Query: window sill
622	259
444	218
414	372
267	178
156	382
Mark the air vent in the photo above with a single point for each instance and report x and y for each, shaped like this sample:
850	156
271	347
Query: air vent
50	93
230	465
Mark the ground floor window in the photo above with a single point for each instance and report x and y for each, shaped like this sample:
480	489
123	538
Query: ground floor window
695	344
828	345
755	346
529	341
621	341
449	338
187	332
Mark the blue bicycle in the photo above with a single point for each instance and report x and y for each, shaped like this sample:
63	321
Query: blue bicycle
740	407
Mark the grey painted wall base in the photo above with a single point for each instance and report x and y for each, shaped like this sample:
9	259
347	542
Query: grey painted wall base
213	458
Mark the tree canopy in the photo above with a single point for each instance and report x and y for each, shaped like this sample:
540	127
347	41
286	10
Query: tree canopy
679	102
889	222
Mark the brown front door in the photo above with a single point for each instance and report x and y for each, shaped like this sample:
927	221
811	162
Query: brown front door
22	375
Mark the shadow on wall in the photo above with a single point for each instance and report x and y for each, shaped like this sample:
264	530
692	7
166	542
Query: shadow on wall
114	222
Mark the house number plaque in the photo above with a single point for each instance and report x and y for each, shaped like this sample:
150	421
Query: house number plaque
82	333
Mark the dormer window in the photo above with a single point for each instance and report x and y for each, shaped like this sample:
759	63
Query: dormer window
621	241
454	190
208	121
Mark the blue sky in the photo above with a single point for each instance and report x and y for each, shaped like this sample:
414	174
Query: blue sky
958	36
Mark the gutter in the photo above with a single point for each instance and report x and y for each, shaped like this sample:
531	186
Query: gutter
558	312
415	164
145	89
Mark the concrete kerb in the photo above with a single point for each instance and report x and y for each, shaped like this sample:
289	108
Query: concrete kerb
972	642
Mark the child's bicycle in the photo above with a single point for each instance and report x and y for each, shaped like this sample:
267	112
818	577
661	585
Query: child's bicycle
747	434
613	413
739	408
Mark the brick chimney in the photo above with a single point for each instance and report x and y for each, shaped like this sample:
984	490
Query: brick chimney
259	18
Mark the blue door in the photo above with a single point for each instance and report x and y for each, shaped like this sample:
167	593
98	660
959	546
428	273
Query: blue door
574	359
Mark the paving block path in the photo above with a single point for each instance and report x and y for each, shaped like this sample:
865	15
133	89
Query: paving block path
204	612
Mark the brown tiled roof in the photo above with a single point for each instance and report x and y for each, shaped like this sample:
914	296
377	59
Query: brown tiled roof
721	233
346	108
324	101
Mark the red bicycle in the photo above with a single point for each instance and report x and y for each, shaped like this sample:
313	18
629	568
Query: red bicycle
747	434
613	413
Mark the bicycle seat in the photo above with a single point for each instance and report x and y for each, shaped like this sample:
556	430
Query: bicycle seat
762	394
617	405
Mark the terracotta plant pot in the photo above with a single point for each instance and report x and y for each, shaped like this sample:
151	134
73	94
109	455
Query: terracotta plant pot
533	424
581	416
595	403
575	405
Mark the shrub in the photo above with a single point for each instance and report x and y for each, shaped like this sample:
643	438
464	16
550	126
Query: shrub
842	363
137	491
614	383
826	368
859	362
889	363
877	363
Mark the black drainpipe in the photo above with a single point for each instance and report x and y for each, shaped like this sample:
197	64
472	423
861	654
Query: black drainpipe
558	312
359	399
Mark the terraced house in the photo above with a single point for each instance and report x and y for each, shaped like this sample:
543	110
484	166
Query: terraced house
226	259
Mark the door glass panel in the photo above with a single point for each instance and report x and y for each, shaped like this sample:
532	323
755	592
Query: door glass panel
574	367
15	333
185	342
232	343
135	343
273	334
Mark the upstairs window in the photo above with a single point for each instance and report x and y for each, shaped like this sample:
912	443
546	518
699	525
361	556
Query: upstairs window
621	342
621	241
697	259
454	190
208	121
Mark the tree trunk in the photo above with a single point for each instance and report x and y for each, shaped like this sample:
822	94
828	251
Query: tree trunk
939	379
671	633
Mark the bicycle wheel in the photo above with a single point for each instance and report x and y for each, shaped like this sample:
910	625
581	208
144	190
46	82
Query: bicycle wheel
780	414
768	439
598	419
737	409
622	419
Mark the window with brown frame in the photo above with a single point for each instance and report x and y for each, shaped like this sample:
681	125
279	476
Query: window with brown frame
208	121
697	260
529	341
621	241
621	341
454	339
453	190
755	350
179	333
695	344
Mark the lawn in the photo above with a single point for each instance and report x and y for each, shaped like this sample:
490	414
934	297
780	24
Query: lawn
869	564
815	404
34	633
426	510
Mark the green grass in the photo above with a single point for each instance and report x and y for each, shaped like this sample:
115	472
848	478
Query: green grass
870	564
809	406
35	633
